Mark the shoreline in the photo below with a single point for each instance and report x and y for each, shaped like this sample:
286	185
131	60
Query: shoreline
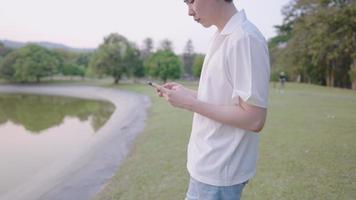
83	175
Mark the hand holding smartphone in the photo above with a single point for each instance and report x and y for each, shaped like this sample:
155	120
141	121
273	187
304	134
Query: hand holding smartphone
157	87
152	84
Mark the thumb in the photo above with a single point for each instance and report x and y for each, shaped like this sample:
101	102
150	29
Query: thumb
160	88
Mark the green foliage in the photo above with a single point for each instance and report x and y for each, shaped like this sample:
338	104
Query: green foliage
114	57
316	41
352	74
1	58
198	65
7	70
4	50
71	63
83	59
274	76
164	64
134	62
72	69
29	63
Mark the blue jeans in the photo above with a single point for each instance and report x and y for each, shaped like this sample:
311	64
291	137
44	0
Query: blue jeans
201	191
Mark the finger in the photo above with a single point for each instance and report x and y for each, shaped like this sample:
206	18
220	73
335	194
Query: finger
162	89
169	85
156	86
159	92
165	96
175	87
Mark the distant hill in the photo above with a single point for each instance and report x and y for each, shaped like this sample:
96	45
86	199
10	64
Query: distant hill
48	45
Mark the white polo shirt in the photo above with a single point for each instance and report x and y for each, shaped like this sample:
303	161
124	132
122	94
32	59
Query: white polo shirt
236	65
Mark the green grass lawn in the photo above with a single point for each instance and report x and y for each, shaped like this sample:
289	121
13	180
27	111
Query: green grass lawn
307	149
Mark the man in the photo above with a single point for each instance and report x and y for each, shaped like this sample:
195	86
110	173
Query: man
282	80
229	106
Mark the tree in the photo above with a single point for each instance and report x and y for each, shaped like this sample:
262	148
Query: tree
7	70
83	59
166	45
147	48
164	64
72	69
318	38
188	57
352	72
134	62
197	65
0	60
113	57
4	50
68	63
31	62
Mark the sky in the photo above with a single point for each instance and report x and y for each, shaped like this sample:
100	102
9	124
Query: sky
84	23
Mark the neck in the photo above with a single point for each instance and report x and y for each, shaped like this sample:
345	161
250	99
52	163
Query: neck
227	10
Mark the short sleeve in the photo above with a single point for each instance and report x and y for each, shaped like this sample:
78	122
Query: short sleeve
249	70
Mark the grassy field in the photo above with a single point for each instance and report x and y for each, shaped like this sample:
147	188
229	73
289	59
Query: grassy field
307	149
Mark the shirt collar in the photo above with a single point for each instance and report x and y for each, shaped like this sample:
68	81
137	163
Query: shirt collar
237	19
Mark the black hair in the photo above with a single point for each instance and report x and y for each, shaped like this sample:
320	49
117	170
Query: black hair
229	1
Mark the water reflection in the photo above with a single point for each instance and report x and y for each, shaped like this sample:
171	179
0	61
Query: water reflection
37	113
39	134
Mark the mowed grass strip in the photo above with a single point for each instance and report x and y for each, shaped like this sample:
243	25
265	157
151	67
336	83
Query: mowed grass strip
307	149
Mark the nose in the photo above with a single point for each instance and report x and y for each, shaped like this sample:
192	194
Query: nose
190	11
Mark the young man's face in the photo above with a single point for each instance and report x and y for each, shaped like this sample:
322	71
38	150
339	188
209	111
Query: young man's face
202	11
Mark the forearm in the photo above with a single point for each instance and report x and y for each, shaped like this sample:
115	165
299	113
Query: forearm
240	116
194	93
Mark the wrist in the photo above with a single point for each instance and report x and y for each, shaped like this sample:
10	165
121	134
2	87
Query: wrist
193	104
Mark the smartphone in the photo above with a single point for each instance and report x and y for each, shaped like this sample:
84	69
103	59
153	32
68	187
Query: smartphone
152	84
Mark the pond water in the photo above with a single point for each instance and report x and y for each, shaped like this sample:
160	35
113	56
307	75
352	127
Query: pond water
36	131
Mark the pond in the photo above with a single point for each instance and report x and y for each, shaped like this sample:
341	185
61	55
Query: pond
37	131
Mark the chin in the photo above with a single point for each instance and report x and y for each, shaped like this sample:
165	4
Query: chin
206	25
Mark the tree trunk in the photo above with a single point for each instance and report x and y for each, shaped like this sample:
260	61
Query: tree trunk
333	67
330	76
117	79
353	78
328	81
